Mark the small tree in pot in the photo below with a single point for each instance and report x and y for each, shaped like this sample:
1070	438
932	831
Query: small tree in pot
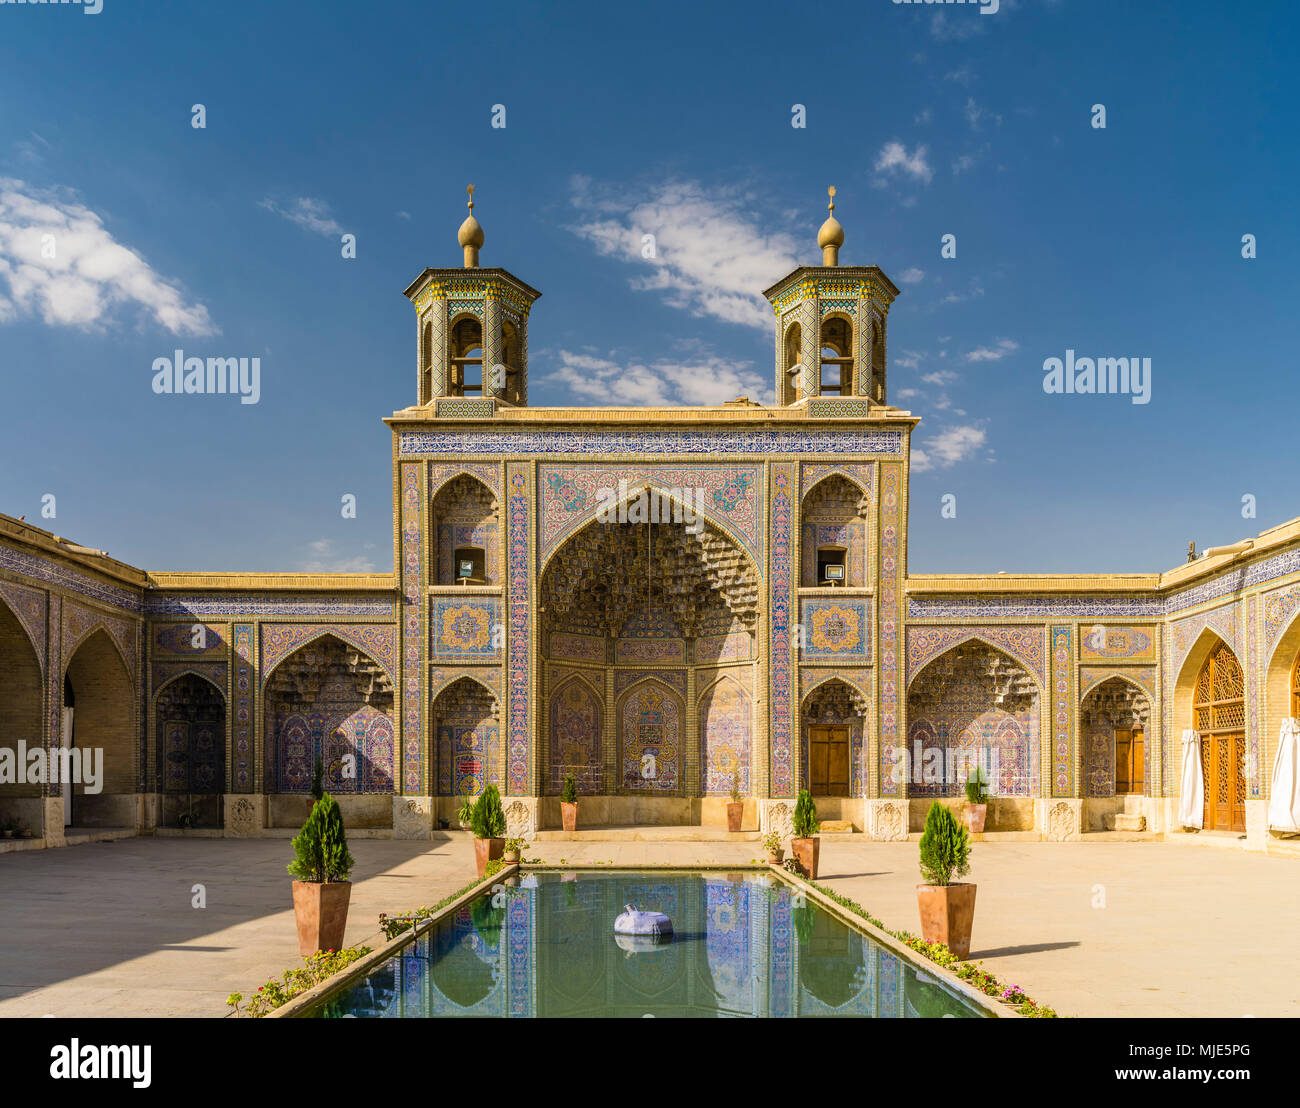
805	846
947	909
488	823
772	844
322	865
569	803
977	801
736	809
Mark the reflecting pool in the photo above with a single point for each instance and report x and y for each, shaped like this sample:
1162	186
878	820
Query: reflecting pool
544	945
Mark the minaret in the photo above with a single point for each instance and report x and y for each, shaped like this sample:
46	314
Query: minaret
472	331
831	322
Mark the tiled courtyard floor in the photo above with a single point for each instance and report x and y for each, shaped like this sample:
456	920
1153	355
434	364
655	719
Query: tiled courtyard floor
107	929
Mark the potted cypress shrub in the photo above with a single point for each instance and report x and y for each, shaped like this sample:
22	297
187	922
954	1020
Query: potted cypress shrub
805	846
488	823
947	908
977	801
322	866
736	809
569	803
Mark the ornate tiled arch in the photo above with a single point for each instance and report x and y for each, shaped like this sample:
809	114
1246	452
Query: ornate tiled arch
1023	644
79	624
857	680
465	675
441	472
1143	677
812	474
571	505
377	641
441	679
1281	610
1184	633
28	607
214	673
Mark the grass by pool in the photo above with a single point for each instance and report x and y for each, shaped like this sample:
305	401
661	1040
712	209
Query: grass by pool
745	945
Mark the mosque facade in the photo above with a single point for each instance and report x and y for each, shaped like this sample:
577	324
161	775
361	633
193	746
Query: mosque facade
667	604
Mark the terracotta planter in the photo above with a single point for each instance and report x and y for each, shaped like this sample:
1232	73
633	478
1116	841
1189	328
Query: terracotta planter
975	816
777	858
735	816
807	851
569	815
947	912
510	857
321	912
485	850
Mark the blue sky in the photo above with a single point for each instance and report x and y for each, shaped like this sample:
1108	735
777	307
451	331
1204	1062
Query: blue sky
674	119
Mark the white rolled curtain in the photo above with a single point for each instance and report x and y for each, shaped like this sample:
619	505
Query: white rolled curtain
1191	800
1284	793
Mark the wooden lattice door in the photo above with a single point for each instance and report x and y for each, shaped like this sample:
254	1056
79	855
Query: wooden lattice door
1295	688
1219	711
828	761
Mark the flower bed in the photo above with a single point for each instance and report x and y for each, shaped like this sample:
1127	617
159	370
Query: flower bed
970	972
278	992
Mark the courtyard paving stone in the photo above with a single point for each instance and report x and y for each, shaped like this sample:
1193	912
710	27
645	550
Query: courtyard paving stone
108	928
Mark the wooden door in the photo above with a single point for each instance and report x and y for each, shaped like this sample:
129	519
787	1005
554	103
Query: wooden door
828	761
1130	761
1219	713
1225	782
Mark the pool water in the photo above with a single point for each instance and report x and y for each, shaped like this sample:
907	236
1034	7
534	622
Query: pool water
744	945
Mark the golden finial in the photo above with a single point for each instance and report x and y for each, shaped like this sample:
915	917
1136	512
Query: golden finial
831	236
470	236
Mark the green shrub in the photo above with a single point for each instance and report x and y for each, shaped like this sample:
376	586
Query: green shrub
805	816
488	821
736	796
321	847
945	847
318	779
466	811
569	794
976	787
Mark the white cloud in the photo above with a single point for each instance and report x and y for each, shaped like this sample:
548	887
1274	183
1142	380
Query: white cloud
90	274
963	27
894	158
307	212
323	556
949	447
908	359
911	276
605	383
404	215
940	377
963	75
712	256
923	116
907	394
993	353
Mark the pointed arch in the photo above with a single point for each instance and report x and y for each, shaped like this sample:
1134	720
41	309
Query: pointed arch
465	721
725	714
341	631
576	719
832	717
1114	704
464	525
977	704
104	718
22	700
651	720
329	699
918	664
586	517
834	675
1280	685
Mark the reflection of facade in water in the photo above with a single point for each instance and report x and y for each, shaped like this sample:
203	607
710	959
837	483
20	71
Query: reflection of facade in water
741	949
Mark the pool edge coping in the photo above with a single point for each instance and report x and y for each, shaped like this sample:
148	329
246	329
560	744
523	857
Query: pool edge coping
379	955
900	949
